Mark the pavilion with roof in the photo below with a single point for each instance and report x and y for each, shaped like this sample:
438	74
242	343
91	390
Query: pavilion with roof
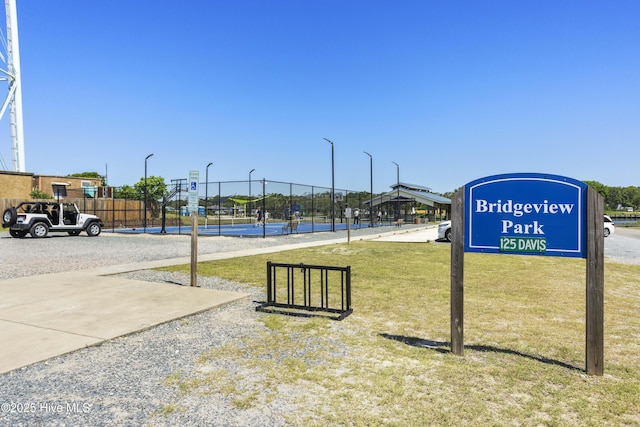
410	201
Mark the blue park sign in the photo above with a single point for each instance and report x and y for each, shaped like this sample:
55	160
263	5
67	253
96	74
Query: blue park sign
526	213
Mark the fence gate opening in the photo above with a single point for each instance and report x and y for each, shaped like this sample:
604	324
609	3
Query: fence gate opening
326	290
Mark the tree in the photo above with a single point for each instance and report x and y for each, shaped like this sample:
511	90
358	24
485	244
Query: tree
449	194
600	188
636	199
615	197
156	190
37	194
623	196
630	196
90	175
126	192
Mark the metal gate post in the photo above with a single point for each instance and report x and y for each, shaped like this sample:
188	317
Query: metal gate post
269	281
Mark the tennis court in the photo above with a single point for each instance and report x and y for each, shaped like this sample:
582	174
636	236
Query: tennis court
232	208
275	228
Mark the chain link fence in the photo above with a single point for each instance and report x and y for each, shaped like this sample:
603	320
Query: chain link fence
248	208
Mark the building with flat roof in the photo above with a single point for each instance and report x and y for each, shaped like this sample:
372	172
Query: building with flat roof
19	185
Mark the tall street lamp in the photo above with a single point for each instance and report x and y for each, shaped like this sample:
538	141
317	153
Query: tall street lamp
206	192
249	202
144	220
398	188
370	189
264	207
333	188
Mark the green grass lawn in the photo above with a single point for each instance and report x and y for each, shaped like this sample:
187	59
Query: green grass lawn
389	362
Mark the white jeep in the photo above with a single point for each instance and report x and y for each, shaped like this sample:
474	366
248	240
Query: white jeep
39	218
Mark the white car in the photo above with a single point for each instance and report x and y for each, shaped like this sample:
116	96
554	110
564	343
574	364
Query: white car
609	226
444	229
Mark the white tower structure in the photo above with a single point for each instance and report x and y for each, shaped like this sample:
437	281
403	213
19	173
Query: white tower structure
14	97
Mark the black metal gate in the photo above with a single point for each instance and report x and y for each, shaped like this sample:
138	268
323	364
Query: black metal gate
320	284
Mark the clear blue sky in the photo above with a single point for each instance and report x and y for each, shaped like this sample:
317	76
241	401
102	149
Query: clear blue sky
450	90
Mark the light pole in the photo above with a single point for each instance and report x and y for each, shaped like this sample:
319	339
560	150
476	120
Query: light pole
249	202
398	190
264	208
370	189
144	220
333	188
206	192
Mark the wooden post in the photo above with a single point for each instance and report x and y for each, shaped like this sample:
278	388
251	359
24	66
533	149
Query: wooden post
194	248
595	283
347	214
457	273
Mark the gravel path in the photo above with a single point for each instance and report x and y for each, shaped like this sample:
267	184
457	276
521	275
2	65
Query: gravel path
125	381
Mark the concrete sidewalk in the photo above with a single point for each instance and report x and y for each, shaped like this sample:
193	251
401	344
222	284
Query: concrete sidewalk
423	235
53	314
49	315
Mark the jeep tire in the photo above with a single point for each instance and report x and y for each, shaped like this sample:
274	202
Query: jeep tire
93	229
18	234
9	217
39	229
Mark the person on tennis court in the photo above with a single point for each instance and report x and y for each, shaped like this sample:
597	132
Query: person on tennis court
356	217
258	217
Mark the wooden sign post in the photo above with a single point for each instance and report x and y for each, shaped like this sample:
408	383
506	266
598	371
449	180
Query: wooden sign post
194	249
595	284
531	214
457	272
193	208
